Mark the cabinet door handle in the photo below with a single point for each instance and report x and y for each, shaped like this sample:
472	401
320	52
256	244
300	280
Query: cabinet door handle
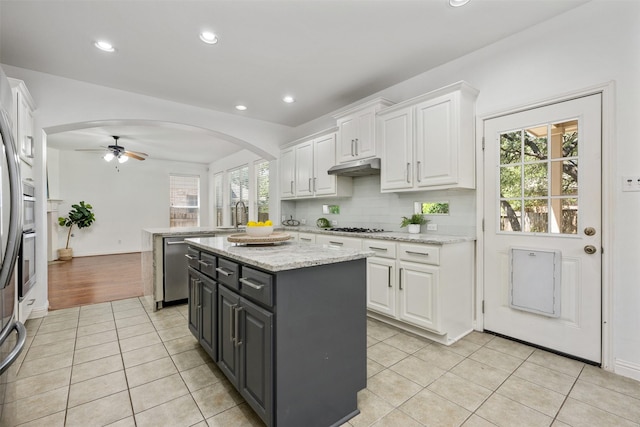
389	276
408	172
375	248
191	257
356	144
314	184
309	185
224	271
400	279
352	143
291	187
231	323
336	243
250	283
418	171
206	264
417	253
305	239
237	326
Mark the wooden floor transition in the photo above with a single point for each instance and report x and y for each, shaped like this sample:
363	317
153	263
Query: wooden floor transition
94	279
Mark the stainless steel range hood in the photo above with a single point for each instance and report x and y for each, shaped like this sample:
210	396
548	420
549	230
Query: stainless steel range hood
357	168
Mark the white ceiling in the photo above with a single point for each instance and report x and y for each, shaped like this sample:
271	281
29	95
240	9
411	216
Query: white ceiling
326	53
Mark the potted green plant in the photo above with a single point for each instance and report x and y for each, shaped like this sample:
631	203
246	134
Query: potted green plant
413	223
79	215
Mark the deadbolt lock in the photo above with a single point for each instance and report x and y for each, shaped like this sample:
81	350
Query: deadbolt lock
590	231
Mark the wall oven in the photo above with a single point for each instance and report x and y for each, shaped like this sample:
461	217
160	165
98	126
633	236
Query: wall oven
28	207
27	270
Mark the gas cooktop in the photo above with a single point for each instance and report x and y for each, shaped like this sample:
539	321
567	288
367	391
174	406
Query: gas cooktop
356	230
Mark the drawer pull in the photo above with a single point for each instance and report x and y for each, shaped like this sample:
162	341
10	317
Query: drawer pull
305	239
250	283
224	271
191	257
206	264
375	248
417	253
336	243
178	242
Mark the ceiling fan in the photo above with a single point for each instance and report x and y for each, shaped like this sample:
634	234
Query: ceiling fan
116	151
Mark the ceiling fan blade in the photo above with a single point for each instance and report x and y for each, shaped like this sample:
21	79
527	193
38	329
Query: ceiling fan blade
133	156
139	153
96	150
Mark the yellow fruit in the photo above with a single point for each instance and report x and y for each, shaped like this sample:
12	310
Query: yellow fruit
251	224
268	222
260	224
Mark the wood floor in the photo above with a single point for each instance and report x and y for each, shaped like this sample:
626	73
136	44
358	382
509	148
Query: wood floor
94	279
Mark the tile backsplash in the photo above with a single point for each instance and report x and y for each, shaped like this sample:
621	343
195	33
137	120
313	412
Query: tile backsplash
370	208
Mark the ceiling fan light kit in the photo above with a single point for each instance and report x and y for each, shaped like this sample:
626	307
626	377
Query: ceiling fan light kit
116	151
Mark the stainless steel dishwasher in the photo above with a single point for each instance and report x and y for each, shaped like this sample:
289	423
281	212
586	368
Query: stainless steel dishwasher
176	277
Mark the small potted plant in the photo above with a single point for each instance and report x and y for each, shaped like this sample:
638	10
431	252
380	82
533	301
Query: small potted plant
413	223
82	217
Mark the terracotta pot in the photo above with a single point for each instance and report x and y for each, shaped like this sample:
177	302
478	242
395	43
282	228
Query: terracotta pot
414	228
65	254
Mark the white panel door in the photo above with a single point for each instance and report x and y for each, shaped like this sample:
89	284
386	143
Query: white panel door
324	157
543	192
396	133
304	169
381	285
419	295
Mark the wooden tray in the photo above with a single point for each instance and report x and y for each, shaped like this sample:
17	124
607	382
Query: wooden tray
244	238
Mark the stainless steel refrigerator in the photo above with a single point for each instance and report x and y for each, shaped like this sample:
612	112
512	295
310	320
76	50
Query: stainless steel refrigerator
12	333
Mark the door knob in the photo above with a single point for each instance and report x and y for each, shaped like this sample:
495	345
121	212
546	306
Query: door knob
590	231
590	249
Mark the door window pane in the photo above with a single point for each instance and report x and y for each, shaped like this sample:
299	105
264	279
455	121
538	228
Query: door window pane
538	171
184	199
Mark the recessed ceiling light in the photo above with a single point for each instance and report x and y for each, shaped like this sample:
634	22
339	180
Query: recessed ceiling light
241	107
458	3
208	37
103	45
288	99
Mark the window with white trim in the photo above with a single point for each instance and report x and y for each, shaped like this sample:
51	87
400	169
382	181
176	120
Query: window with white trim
262	190
239	192
184	200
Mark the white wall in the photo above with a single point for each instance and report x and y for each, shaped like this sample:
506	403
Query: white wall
591	45
125	197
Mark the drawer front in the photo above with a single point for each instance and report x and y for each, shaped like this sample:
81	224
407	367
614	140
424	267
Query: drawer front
257	285
193	256
425	254
228	273
208	264
339	241
382	248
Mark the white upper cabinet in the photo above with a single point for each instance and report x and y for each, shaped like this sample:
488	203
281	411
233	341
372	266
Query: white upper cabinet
287	173
427	143
23	122
357	130
304	166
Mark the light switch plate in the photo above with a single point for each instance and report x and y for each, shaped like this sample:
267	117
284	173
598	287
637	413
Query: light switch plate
432	227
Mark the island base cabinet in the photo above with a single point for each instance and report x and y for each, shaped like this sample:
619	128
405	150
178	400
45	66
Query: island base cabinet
245	343
202	311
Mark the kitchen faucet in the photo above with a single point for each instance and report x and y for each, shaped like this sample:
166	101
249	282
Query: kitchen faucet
244	207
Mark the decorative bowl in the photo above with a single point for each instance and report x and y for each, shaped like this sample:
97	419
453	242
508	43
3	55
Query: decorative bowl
259	231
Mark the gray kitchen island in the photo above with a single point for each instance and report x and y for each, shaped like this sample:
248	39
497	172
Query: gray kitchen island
286	323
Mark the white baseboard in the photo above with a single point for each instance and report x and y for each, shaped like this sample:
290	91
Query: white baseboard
39	312
627	369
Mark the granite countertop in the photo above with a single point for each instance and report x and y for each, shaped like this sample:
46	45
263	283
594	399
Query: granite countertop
187	231
431	239
283	256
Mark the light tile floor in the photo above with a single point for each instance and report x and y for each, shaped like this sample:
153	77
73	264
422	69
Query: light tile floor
117	364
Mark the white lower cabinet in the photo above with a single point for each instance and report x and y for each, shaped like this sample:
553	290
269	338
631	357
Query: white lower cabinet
424	289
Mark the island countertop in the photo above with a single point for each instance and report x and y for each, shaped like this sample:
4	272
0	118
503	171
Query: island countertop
279	257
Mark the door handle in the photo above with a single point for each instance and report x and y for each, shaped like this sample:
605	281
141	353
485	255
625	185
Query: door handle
15	352
590	231
237	323
590	249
